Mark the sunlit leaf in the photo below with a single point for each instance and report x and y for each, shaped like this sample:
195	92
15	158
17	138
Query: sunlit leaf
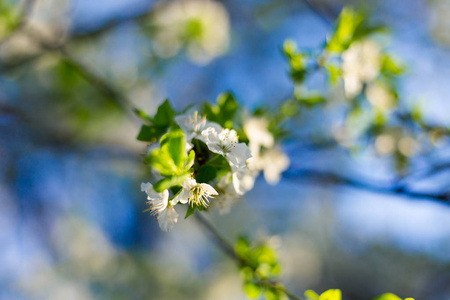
170	181
252	290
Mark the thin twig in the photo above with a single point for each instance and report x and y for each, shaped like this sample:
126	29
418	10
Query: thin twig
228	249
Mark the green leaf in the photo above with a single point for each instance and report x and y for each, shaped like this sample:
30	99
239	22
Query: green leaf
297	61
206	174
289	109
242	247
171	159
331	295
190	211
174	142
390	66
164	115
227	104
311	100
390	296
416	114
170	181
275	294
348	21
190	161
334	73
224	110
252	290
311	295
150	133
161	161
159	124
289	48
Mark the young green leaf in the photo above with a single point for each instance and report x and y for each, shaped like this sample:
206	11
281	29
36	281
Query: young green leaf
252	290
175	143
150	133
190	211
348	21
390	296
164	115
170	181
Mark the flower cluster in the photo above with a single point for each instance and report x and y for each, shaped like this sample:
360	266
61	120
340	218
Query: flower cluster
200	157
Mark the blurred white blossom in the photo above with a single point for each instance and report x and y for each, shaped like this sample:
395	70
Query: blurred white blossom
273	162
267	156
258	134
227	195
380	97
361	64
201	26
396	139
244	178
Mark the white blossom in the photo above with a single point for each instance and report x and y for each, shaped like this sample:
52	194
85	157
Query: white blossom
273	162
227	195
195	193
225	142
160	207
380	97
193	125
167	218
201	26
244	178
361	64
258	134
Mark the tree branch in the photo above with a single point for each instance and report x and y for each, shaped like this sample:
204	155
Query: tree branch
333	178
228	249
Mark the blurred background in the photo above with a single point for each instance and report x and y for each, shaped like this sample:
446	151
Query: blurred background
71	220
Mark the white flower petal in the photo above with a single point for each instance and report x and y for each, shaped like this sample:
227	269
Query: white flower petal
189	184
243	180
361	64
167	219
182	197
152	195
239	155
209	189
275	162
258	134
211	136
214	125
